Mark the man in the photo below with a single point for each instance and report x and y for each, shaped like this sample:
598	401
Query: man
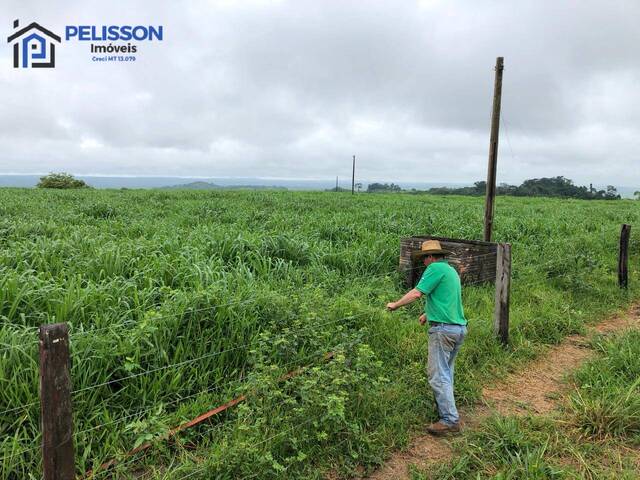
447	328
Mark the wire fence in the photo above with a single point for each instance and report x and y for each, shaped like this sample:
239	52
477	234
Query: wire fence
216	387
183	363
300	367
180	399
213	354
208	355
211	389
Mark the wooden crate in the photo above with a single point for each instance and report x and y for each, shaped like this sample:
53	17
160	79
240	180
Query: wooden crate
474	260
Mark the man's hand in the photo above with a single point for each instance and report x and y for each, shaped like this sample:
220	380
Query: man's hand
409	297
423	319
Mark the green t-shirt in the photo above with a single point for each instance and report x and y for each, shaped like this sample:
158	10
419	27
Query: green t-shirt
441	284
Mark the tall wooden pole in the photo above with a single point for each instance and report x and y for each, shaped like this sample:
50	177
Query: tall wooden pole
353	177
336	183
55	403
493	152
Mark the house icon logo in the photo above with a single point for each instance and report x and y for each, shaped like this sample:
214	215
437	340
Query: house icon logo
33	46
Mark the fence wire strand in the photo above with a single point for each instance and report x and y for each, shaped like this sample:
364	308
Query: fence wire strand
208	355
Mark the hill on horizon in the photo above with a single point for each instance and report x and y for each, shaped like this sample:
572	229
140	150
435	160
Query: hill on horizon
200	185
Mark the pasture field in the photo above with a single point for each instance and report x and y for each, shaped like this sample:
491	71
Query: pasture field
178	301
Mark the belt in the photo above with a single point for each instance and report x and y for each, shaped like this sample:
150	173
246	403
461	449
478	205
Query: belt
443	323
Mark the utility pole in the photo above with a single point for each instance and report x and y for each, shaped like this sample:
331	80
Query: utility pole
353	177
336	183
493	152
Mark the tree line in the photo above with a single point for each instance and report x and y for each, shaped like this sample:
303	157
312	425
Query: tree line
535	187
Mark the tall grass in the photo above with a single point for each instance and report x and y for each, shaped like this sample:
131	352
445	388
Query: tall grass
148	279
606	402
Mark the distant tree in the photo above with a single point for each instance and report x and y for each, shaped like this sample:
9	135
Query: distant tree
61	180
480	187
358	187
637	194
612	193
383	187
506	189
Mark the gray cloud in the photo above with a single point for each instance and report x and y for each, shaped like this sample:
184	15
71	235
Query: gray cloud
294	88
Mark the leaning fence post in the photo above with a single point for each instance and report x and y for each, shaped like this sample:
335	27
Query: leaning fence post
503	286
55	403
623	256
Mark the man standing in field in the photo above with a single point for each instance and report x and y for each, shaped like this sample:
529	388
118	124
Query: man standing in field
447	328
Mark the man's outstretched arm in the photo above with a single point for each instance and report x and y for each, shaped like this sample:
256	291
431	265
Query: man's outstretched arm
409	297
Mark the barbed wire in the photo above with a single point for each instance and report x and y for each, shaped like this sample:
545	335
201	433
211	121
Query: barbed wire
218	386
8	348
297	361
185	362
24	406
282	432
24	328
208	355
162	317
30	449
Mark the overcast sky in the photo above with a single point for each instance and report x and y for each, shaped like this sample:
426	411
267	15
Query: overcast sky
292	89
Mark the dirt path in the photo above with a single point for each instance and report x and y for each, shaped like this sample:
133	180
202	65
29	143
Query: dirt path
530	390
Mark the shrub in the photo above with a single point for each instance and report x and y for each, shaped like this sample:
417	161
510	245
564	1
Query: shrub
61	180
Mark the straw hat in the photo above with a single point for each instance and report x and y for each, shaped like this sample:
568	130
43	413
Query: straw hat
429	247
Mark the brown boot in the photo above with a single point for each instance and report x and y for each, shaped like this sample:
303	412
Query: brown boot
440	429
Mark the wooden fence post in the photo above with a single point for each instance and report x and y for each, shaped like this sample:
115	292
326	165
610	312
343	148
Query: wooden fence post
503	287
623	256
55	403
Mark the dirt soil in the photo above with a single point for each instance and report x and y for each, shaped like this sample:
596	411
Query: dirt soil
533	389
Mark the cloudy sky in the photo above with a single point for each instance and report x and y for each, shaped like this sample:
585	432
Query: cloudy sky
292	89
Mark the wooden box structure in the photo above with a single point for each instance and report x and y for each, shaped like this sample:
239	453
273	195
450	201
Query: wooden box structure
474	260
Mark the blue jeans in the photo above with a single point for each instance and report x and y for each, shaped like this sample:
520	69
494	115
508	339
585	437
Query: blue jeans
444	343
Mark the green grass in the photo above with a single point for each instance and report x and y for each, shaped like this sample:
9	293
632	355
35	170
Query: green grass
536	448
136	274
606	402
594	434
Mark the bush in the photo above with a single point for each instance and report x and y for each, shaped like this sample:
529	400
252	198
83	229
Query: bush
61	180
